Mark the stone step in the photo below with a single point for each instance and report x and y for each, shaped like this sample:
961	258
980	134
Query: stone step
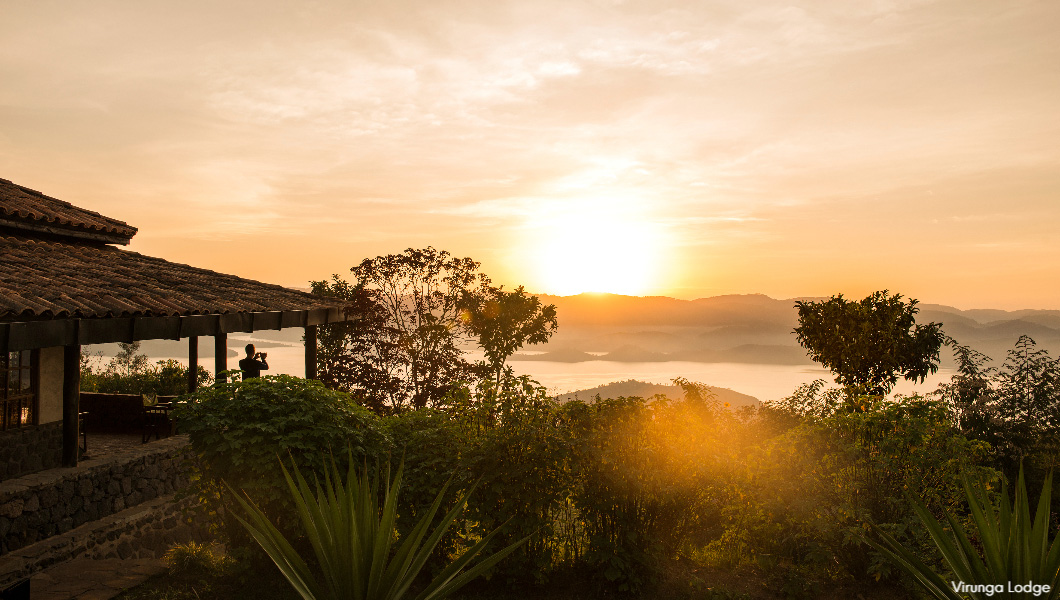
145	531
41	505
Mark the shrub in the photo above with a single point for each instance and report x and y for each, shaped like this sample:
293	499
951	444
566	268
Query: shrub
352	537
1004	547
811	489
132	373
195	558
514	443
239	431
432	445
522	453
652	477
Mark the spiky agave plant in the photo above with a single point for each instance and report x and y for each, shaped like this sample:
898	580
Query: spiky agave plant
1015	550
353	539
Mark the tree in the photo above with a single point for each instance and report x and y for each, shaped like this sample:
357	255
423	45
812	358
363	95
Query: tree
363	356
869	343
1028	390
503	322
970	394
417	312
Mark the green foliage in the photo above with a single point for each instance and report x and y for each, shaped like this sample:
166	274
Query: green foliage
1014	408
193	557
503	322
970	393
652	477
869	343
838	460
521	449
353	540
415	312
1004	548
620	488
237	429
617	485
413	302
1027	400
431	445
362	356
131	373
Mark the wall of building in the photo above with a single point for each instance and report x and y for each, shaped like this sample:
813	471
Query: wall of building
50	389
45	504
30	449
34	448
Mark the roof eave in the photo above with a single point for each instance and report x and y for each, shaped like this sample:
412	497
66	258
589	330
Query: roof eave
93	235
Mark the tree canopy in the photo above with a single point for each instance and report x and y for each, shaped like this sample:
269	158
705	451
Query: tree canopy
871	342
503	322
418	312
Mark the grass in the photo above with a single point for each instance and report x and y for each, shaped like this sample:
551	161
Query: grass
204	572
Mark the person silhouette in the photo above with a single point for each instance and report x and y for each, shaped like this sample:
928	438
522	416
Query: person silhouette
251	366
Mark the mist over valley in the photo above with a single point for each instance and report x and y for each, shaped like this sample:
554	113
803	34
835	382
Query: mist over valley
614	345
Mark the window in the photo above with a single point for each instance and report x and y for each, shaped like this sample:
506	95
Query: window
18	389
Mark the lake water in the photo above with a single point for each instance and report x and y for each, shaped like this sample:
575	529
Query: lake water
765	382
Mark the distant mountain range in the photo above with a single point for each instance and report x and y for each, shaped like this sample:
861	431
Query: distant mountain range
752	329
746	329
643	389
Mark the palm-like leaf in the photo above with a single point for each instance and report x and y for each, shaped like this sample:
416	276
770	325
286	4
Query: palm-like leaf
353	540
1014	548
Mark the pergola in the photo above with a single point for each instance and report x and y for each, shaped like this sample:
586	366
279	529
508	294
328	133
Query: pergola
64	283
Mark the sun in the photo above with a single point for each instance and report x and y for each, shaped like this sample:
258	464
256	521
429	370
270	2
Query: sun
596	247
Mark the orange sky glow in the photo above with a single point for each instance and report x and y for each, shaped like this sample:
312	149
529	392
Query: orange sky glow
687	149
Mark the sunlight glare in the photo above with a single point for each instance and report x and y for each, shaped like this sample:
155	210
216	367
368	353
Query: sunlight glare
596	247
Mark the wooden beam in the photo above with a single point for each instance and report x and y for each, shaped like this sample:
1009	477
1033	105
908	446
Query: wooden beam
156	328
316	316
41	334
198	325
293	318
193	363
71	402
311	352
232	322
45	333
220	356
102	331
266	320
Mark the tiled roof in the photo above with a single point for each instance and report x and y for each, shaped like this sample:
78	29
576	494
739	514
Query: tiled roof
53	279
29	210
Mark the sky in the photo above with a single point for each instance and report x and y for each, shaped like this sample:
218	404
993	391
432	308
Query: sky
682	148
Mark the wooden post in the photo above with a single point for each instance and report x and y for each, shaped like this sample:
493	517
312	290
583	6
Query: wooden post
71	402
311	352
193	363
220	356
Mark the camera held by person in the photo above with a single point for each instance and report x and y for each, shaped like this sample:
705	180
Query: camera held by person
254	363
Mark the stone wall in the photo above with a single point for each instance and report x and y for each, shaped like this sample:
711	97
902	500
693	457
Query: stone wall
30	449
147	530
45	504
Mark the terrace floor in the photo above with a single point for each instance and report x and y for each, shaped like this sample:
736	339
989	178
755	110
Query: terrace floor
105	444
87	579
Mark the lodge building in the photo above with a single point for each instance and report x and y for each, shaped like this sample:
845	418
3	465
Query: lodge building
66	282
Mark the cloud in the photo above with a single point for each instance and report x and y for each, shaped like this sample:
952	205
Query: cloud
743	129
